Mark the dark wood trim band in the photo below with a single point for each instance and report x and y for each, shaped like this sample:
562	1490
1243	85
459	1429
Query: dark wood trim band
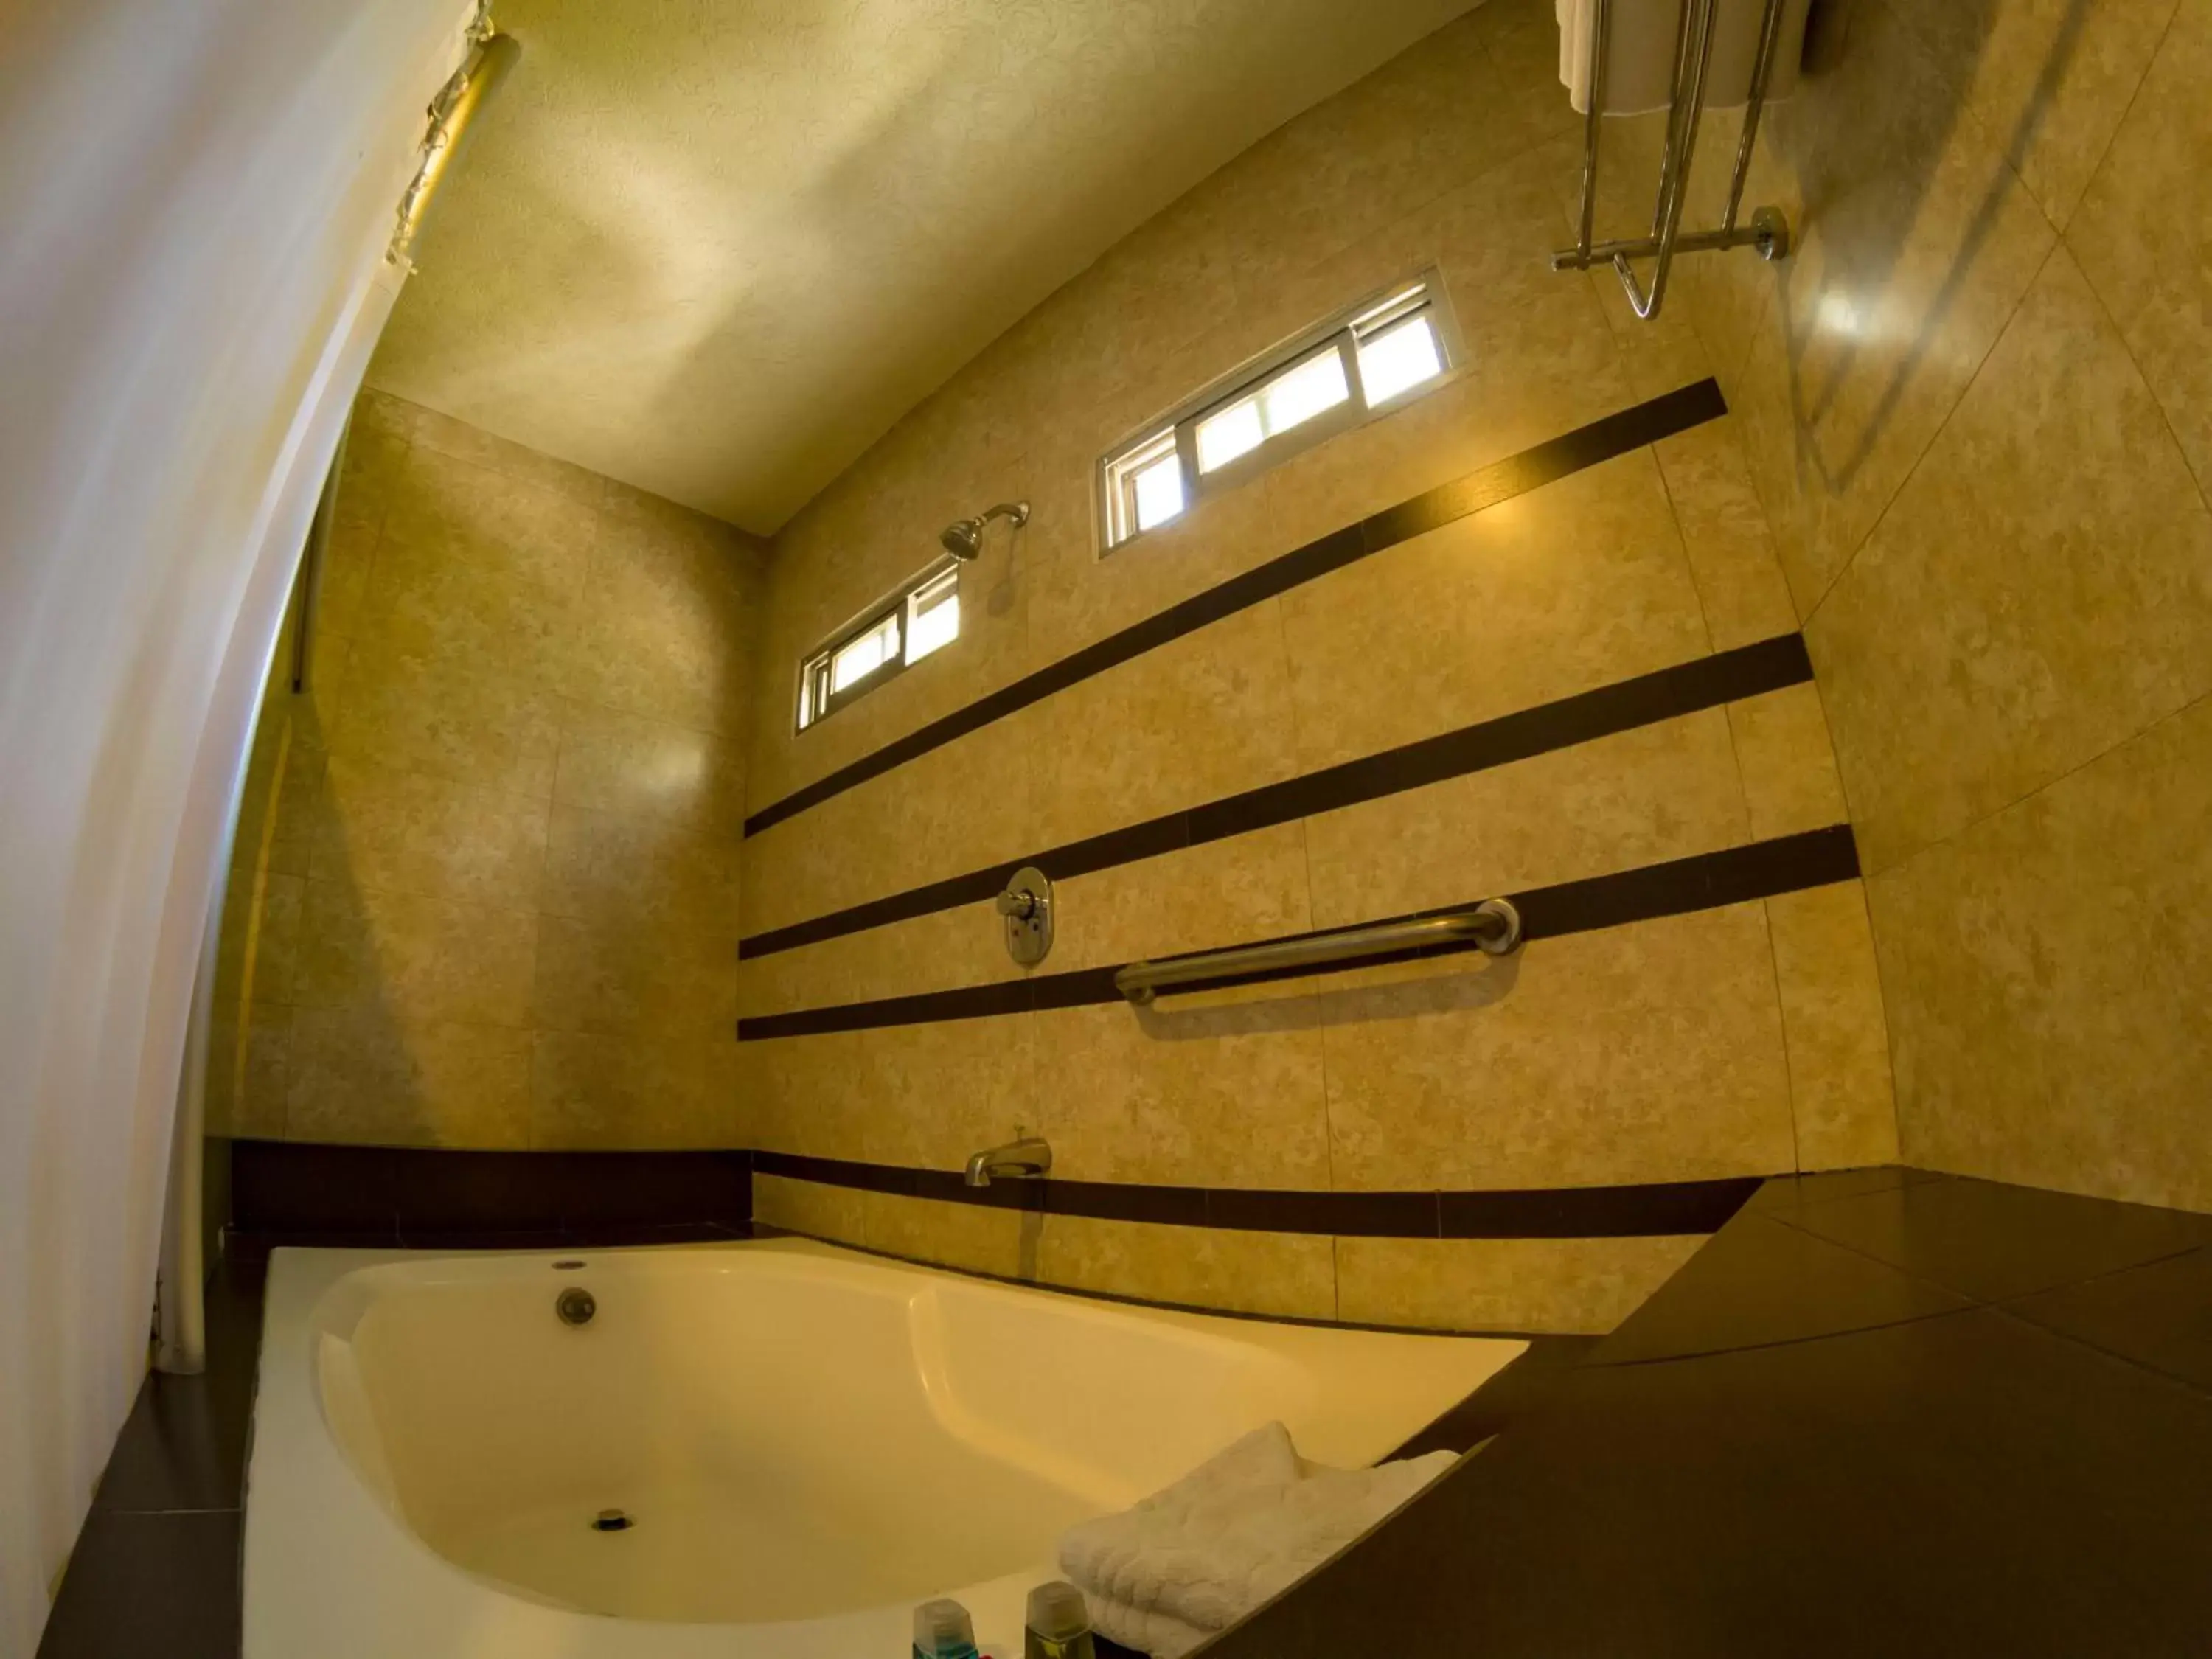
1586	446
1653	1209
1705	881
377	1195
1664	694
426	1196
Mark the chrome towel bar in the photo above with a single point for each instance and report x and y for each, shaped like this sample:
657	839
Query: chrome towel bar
1494	925
1768	231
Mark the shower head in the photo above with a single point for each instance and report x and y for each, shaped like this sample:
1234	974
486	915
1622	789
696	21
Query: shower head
963	538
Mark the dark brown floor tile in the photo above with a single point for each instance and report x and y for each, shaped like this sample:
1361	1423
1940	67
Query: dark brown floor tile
1790	1192
181	1449
1988	1240
183	1445
139	1586
1524	1387
1961	1485
2160	1315
1757	1281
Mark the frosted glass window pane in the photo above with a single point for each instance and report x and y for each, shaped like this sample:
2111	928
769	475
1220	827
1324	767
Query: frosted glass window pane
1398	358
866	655
1158	492
936	618
1313	388
1235	431
1380	352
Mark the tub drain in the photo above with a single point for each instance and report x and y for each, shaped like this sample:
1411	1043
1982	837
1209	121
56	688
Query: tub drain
612	1520
575	1305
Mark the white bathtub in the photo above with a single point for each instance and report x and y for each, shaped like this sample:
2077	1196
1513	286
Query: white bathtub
808	1441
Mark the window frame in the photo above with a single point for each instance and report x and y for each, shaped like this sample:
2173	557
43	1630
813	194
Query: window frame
811	706
1120	470
1372	315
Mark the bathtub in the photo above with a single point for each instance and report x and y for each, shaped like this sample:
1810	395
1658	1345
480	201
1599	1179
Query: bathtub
763	1450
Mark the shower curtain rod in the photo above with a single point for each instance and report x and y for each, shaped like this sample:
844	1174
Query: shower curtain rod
456	105
451	111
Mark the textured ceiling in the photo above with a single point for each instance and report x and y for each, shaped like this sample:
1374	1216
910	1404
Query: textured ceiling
714	249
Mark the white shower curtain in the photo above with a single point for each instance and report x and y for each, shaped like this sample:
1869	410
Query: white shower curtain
195	196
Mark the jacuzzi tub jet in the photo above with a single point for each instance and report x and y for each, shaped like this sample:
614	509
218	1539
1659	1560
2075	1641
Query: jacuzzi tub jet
575	1305
612	1520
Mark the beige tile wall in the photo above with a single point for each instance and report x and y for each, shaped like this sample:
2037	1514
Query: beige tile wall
1741	1041
484	890
1978	407
483	886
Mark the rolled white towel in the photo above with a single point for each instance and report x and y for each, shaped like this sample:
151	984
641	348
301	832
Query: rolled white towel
1640	68
1197	1556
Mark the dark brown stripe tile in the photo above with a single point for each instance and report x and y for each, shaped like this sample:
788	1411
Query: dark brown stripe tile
391	1195
278	1185
1078	990
1664	694
1624	1211
1650	1210
970	888
1362	1215
968	1002
1555	459
1106	1200
1702	882
834	1172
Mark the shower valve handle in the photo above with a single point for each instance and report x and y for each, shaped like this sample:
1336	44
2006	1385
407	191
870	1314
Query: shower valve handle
1025	912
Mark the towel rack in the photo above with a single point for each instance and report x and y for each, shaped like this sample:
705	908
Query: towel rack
1493	924
1768	231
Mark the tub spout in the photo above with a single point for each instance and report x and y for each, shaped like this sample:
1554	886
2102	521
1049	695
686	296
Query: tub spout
1028	1159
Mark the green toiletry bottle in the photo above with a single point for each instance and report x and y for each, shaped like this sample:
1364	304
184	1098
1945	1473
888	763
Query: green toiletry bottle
1059	1623
943	1629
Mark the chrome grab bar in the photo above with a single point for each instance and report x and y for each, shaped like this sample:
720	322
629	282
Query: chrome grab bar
1493	924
